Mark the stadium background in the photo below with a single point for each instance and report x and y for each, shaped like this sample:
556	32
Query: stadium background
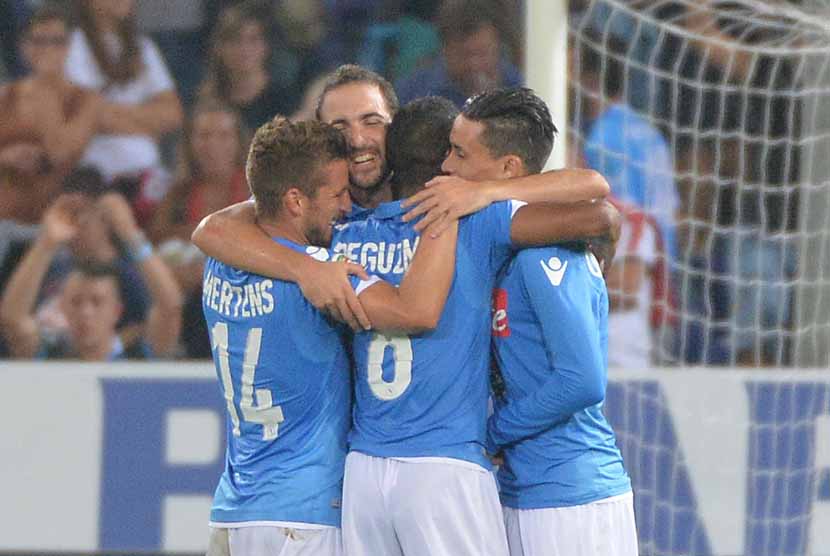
726	432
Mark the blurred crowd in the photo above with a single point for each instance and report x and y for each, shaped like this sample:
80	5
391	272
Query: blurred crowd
125	122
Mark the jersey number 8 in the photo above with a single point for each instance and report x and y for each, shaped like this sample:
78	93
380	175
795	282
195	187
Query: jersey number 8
402	358
265	413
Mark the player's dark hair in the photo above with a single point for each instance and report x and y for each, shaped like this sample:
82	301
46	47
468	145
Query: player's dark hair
602	57
417	142
350	73
47	13
458	19
286	154
516	121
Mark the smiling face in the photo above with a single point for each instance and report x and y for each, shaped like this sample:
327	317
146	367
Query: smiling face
469	158
360	111
330	203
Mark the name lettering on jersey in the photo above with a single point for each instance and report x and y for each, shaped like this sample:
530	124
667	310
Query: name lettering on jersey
252	300
382	257
501	326
555	270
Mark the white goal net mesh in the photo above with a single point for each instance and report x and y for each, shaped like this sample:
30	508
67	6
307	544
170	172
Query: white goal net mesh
713	118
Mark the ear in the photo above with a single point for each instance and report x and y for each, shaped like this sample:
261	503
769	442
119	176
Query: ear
294	202
512	166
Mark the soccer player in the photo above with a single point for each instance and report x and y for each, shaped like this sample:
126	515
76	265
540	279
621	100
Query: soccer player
428	394
361	104
282	365
563	485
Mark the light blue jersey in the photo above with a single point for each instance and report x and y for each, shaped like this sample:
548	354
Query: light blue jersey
426	395
635	159
284	373
550	334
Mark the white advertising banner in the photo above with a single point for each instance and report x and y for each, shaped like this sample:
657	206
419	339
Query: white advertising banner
125	458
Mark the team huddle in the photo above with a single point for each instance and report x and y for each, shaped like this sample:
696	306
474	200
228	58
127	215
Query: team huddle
478	335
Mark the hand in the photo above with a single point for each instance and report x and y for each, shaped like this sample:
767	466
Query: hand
604	251
118	215
60	222
326	286
445	200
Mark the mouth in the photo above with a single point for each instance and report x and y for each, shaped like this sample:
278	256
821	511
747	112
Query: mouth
363	159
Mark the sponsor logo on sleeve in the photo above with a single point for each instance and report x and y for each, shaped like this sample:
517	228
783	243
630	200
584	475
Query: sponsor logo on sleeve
554	269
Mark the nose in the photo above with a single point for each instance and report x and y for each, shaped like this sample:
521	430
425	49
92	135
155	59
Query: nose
357	138
447	166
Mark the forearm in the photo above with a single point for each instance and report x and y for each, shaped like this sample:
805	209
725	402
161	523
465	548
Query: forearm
565	393
17	305
545	224
154	118
232	236
164	319
66	143
555	186
416	306
428	280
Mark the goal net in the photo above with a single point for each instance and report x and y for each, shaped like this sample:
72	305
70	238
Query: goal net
713	117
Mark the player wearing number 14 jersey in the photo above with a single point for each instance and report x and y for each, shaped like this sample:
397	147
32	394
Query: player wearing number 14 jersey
282	364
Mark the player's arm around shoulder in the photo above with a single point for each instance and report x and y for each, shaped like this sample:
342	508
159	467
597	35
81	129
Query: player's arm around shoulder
416	305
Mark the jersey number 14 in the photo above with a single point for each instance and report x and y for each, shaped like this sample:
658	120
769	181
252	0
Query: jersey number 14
264	413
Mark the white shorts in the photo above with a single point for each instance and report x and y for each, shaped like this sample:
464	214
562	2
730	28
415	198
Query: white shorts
274	541
430	507
602	528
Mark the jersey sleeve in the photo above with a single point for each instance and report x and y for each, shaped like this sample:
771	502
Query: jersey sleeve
158	76
560	289
488	233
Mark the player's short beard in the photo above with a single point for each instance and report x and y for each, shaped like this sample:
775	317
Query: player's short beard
377	184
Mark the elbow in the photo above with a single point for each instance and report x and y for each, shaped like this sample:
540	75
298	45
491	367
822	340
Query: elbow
207	229
609	222
591	392
599	185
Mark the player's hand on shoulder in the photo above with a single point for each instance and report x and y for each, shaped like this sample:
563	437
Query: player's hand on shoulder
444	200
326	285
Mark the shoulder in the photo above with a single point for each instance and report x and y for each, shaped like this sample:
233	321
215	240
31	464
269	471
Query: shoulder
559	265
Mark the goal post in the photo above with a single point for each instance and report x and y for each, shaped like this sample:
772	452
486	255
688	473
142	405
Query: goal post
546	24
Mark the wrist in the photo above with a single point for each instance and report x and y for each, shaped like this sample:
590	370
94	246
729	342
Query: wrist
137	248
494	191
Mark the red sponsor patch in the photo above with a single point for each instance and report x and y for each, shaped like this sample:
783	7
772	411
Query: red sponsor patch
501	328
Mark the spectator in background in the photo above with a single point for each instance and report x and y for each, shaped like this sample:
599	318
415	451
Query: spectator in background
306	43
211	170
472	57
620	143
90	299
93	242
238	68
47	121
178	27
633	292
107	54
398	40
